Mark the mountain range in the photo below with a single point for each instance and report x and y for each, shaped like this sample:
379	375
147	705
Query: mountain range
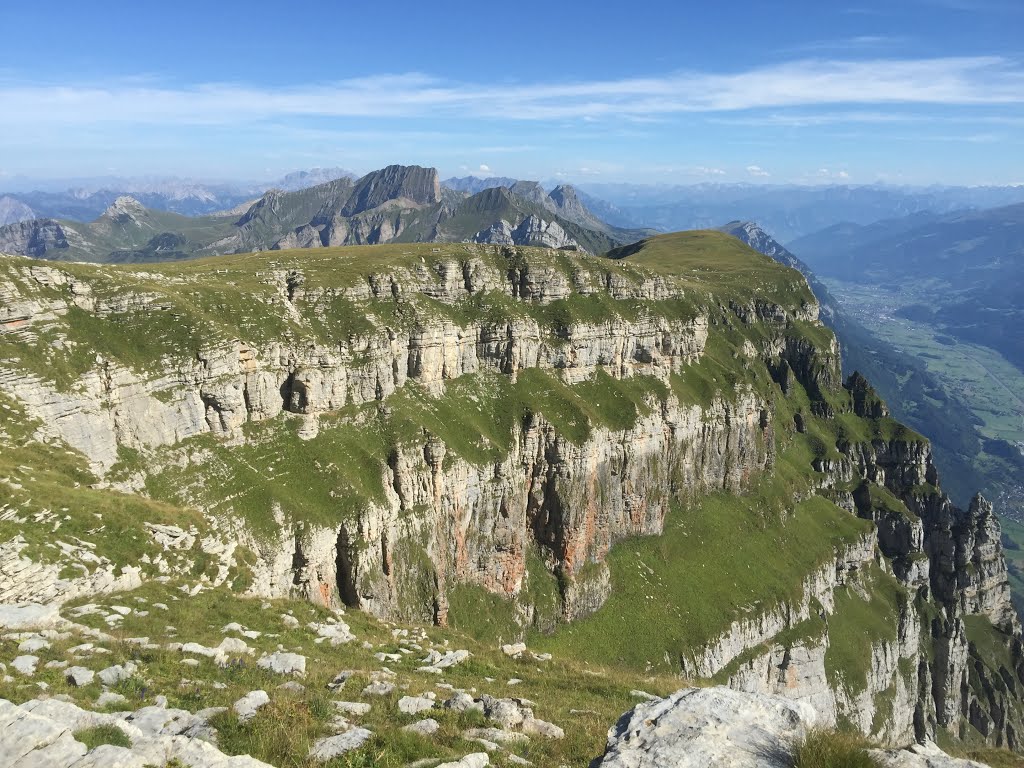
787	211
395	204
88	199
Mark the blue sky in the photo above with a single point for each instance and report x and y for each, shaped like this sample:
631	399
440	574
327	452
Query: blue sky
911	91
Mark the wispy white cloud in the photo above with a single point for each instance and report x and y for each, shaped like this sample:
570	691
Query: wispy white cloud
945	81
972	6
847	117
757	171
862	43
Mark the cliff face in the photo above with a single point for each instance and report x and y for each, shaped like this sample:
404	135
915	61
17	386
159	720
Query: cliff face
33	238
386	428
418	185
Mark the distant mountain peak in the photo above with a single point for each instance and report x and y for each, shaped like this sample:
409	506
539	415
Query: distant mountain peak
312	177
125	205
474	184
751	233
13	210
407	182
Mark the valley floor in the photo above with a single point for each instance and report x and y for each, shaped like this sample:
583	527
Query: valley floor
990	384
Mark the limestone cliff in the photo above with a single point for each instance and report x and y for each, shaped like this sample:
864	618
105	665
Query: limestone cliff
34	237
405	428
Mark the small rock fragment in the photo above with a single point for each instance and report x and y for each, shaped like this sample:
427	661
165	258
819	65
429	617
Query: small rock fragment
284	663
110	699
117	673
474	760
426	727
332	746
534	727
515	650
413	705
352	707
26	665
79	676
340	679
250	704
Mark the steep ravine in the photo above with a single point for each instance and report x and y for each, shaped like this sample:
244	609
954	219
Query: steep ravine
384	427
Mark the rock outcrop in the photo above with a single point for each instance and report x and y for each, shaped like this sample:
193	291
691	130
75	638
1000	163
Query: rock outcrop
710	727
36	237
41	732
531	231
417	185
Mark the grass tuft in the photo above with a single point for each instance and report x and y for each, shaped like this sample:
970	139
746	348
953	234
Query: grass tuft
99	735
821	748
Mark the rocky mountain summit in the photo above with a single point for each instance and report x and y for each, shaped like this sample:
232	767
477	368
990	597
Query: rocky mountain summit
479	459
13	210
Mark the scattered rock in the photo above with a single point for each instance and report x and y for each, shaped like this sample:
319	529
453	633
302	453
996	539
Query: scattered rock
284	663
119	672
534	727
33	644
26	665
352	707
474	760
110	699
462	702
515	650
250	704
435	661
337	633
927	755
379	688
413	705
171	536
426	727
228	646
79	676
23	616
292	686
506	712
497	735
340	679
330	747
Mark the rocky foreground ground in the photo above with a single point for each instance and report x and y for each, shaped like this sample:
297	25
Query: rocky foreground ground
91	696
